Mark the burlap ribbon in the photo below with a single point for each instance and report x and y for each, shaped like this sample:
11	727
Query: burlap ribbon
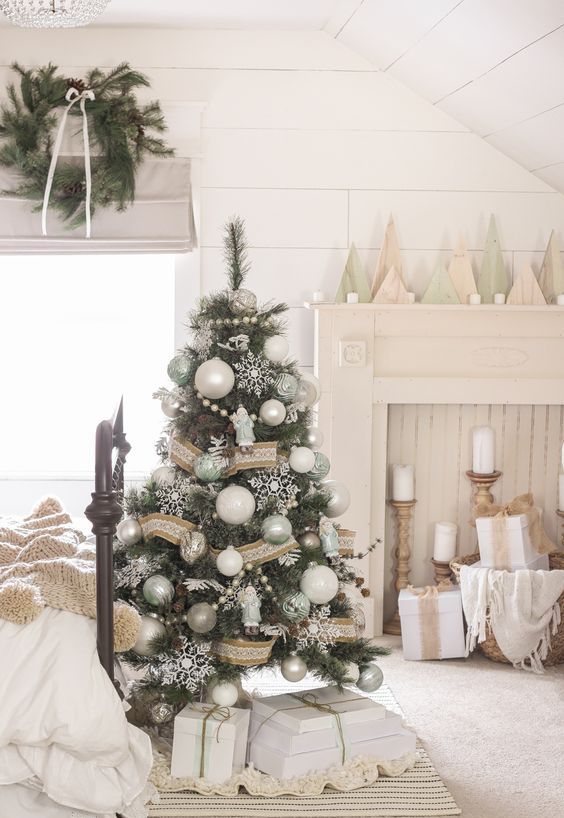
429	629
217	713
523	504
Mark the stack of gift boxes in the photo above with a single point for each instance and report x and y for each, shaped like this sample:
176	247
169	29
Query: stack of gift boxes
505	544
286	736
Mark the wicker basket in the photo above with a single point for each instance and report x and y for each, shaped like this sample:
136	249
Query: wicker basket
490	647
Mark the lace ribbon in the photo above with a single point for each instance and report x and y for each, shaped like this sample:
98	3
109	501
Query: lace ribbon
72	97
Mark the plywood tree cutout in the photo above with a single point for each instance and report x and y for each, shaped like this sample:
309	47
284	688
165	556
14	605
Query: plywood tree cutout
389	257
551	278
392	291
353	279
526	289
441	289
460	271
493	276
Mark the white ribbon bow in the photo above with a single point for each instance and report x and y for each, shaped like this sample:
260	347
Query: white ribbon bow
72	96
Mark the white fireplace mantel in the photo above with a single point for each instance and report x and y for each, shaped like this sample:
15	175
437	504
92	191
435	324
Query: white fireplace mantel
368	356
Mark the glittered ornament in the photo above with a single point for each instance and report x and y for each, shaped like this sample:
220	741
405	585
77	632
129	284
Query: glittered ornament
319	583
158	591
149	630
276	348
286	387
309	539
201	617
370	679
313	437
171	407
164	476
301	459
229	562
161	712
339	497
207	468
320	468
129	532
214	379
276	529
293	668
235	505
272	412
179	370
193	547
225	694
242	301
295	606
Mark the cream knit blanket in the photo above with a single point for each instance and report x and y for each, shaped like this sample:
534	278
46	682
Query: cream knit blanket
45	561
521	608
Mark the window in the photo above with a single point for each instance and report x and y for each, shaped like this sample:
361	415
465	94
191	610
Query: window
76	332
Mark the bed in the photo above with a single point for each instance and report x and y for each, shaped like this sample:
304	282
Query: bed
66	748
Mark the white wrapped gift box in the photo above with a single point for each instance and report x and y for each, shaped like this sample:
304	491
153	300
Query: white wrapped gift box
297	711
448	621
215	746
288	742
276	763
504	543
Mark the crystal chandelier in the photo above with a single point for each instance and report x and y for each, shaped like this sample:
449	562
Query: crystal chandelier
52	13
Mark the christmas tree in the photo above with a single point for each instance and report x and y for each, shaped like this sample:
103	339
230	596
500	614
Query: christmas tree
230	551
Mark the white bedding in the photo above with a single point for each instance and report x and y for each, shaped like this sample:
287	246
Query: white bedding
64	737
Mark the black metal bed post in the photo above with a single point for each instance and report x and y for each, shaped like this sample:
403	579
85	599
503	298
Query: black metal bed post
104	512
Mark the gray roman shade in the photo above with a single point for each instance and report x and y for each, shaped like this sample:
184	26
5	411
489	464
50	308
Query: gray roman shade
161	220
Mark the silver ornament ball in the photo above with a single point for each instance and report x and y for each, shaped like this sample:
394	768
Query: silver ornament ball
370	679
158	591
309	390
129	532
214	379
319	583
320	468
276	529
149	630
286	387
161	712
293	668
272	412
235	505
201	617
339	497
171	407
313	437
241	301
309	539
296	606
179	370
207	468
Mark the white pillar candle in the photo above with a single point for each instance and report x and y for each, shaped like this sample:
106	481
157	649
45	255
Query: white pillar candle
318	295
561	492
562	457
499	298
352	298
445	541
402	483
411	298
560	299
483	448
474	298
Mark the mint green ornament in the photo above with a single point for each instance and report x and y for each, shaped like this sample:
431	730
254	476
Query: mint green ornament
179	370
320	468
295	607
286	387
207	468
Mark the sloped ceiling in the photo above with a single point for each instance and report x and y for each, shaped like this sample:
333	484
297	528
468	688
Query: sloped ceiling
497	66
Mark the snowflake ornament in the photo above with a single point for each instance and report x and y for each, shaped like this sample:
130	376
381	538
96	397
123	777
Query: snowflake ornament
278	482
319	630
172	498
135	572
189	667
290	557
203	340
237	343
254	374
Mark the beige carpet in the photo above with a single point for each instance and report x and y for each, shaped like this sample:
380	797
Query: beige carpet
494	734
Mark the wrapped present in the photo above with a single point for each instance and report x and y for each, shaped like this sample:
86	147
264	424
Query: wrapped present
209	742
432	626
511	536
319	709
280	765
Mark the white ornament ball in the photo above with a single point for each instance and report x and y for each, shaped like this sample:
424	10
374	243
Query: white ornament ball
370	679
319	583
276	529
225	694
293	668
339	497
129	532
214	378
229	562
276	348
149	630
309	390
302	459
158	591
235	505
164	475
201	617
313	437
272	412
353	672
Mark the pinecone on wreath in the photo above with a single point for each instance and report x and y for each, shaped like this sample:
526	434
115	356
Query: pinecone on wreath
78	84
74	189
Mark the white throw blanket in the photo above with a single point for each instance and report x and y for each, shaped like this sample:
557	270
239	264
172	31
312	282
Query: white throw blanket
521	608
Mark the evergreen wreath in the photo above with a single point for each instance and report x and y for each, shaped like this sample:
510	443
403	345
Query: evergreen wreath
122	132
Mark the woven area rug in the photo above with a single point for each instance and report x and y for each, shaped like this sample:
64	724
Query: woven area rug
418	792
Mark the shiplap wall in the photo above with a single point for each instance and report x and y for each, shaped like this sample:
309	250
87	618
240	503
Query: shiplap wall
437	439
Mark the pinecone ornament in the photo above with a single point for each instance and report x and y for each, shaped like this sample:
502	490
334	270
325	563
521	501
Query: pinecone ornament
78	84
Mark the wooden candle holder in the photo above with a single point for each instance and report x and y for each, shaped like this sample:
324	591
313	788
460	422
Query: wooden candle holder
482	488
560	513
403	510
442	571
